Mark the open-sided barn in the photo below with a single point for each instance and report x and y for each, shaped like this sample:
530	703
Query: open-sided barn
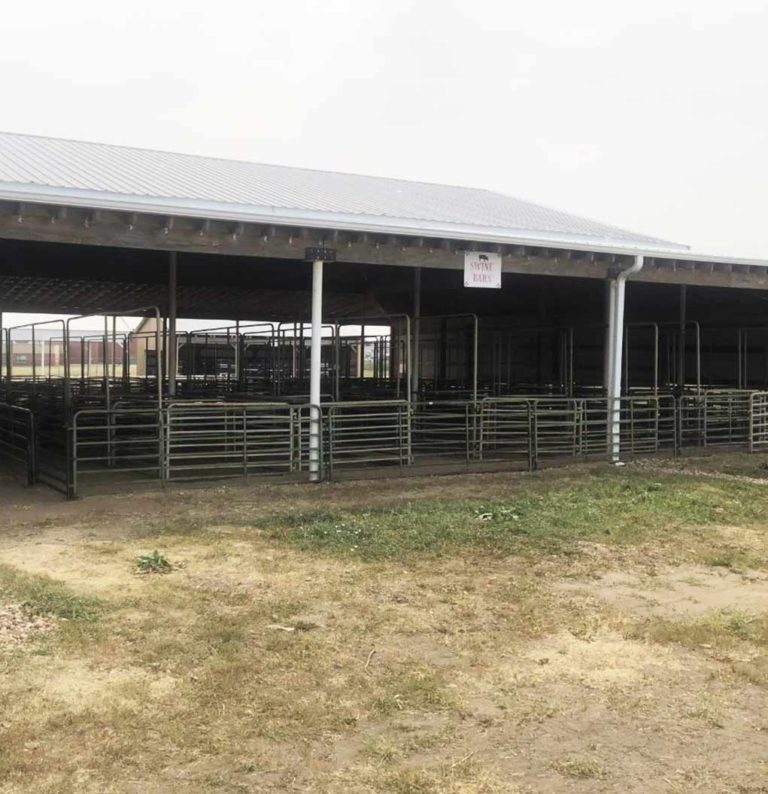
375	325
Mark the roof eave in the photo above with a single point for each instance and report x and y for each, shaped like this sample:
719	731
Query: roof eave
278	216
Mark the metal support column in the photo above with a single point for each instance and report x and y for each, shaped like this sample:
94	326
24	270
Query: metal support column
317	256
681	346
172	354
415	374
238	377
616	331
314	371
105	364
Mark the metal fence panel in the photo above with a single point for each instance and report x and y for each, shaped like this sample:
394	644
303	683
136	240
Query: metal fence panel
367	433
557	427
445	429
725	419
758	421
17	440
506	430
639	425
117	440
212	440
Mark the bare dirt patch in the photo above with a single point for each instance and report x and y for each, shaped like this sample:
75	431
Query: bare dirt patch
18	624
677	592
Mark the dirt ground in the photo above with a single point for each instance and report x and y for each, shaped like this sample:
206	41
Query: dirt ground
259	663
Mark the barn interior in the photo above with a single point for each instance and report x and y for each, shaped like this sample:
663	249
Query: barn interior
539	334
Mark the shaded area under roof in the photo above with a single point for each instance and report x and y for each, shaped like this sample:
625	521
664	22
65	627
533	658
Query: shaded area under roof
79	279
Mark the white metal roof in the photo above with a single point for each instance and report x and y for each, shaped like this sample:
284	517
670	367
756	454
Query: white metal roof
75	173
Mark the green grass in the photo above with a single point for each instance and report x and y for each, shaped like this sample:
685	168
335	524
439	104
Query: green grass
46	596
621	507
153	563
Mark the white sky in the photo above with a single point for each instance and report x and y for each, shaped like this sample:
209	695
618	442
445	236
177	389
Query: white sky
649	115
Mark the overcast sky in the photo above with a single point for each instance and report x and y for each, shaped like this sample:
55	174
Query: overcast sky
649	115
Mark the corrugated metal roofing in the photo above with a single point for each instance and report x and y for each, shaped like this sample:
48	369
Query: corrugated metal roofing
34	168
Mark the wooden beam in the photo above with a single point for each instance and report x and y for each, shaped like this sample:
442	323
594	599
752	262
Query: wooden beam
159	233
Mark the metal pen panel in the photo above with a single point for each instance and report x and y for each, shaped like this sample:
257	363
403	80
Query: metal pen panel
17	441
213	440
506	430
368	433
726	418
758	421
124	441
445	429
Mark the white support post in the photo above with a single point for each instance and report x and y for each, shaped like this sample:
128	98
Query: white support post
172	353
314	372
238	380
681	342
616	349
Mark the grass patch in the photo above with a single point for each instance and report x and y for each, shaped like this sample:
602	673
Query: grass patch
180	523
739	639
722	630
409	781
46	596
153	563
455	777
579	768
404	743
547	517
414	690
730	561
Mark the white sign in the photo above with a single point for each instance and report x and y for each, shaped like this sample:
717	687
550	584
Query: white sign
482	269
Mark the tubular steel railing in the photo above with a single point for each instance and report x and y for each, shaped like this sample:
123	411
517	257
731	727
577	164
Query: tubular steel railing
507	427
212	440
367	433
534	429
758	421
726	419
185	440
126	441
445	429
17	440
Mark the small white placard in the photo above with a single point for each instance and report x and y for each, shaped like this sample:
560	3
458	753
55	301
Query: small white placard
482	269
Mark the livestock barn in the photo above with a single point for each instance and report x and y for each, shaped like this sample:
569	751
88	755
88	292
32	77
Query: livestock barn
374	326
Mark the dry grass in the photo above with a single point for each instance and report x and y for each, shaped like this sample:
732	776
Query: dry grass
580	767
428	646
